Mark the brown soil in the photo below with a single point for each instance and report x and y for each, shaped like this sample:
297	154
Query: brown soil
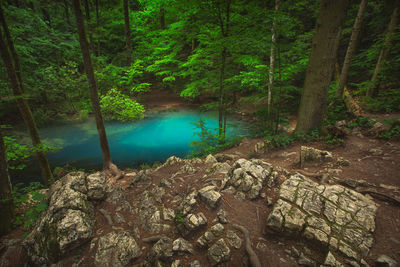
365	164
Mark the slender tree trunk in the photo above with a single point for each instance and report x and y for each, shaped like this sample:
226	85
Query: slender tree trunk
11	47
127	31
23	107
272	59
321	65
68	17
97	27
92	85
373	90
89	27
162	17
351	48
6	201
224	26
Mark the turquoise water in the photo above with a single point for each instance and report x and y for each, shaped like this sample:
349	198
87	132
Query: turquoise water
151	140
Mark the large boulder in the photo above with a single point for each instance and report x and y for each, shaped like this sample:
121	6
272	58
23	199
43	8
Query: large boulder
310	156
67	223
331	216
116	249
249	177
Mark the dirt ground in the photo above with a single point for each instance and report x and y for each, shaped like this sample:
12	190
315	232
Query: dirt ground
373	160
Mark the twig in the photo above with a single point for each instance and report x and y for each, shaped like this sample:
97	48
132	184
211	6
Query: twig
254	261
227	202
152	239
258	215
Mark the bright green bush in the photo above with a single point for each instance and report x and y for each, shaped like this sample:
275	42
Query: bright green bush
117	106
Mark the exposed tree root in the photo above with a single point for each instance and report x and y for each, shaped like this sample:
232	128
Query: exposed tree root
254	261
152	239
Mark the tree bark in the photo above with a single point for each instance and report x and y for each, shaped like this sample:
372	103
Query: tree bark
97	27
127	31
66	9
92	85
321	65
272	59
374	88
351	48
6	201
89	27
23	107
224	27
162	17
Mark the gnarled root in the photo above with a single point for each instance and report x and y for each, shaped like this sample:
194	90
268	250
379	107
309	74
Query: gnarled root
254	261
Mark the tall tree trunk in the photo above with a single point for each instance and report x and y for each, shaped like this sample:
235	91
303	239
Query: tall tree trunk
321	65
272	59
92	85
351	48
23	107
7	205
224	27
11	47
127	31
97	27
89	27
162	17
66	9
374	88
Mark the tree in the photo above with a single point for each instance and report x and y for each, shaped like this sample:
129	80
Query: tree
373	89
272	59
351	48
13	72
321	65
6	201
127	30
87	62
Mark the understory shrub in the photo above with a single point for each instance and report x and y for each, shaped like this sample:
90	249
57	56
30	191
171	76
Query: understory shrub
117	106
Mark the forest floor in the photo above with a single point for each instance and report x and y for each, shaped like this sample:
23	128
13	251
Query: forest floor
373	160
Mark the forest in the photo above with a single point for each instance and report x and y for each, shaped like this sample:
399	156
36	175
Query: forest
282	71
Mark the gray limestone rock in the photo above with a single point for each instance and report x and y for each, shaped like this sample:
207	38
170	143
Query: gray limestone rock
66	224
249	177
116	196
210	235
192	223
385	261
225	157
233	239
220	168
222	216
177	263
310	156
218	253
331	216
161	251
331	261
210	196
210	159
116	249
96	186
182	245
194	263
188	204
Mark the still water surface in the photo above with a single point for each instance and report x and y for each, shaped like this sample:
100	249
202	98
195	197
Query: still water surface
153	139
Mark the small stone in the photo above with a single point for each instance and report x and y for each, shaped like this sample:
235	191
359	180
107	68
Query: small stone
330	261
177	263
312	156
210	159
182	245
162	250
233	239
168	214
240	196
165	183
210	197
194	263
191	223
385	261
305	261
222	216
218	253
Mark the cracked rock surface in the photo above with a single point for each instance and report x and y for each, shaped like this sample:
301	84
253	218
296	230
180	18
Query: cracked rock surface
332	216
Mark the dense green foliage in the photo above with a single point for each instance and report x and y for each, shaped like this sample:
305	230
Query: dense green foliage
116	106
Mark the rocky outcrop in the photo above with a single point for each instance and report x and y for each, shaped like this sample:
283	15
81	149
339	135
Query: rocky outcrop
210	196
310	156
116	249
249	177
219	252
210	235
331	216
69	220
192	223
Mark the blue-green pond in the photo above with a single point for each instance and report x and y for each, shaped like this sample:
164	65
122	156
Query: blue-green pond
153	139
